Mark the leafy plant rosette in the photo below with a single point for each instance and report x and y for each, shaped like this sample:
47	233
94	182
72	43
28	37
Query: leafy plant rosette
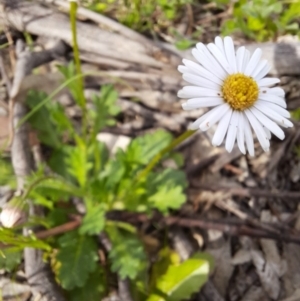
82	168
79	168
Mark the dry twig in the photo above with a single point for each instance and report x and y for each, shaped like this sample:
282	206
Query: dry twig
39	274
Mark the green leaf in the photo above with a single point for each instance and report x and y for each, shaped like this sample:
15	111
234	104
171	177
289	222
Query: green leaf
168	189
55	189
57	161
291	13
184	44
105	108
77	162
127	254
93	290
166	257
94	220
113	173
292	27
206	257
165	198
99	154
60	119
180	282
9	260
69	72
57	216
40	120
7	176
18	242
255	24
142	149
77	256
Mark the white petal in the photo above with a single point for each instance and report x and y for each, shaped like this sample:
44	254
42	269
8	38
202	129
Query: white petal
198	55
268	123
248	137
195	125
199	70
232	131
184	69
262	64
268	133
222	129
246	59
195	103
255	58
273	99
241	133
215	117
274	91
220	57
268	81
214	66
200	81
268	105
192	92
220	45
230	53
267	110
259	131
263	72
240	58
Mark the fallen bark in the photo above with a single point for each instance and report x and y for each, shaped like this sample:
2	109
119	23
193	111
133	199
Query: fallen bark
125	45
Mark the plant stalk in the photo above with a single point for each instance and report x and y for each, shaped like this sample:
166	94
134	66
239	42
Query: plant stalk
82	101
167	149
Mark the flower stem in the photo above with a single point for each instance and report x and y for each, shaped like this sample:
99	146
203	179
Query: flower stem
81	97
167	149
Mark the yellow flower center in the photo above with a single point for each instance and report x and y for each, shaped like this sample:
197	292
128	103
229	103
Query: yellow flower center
240	91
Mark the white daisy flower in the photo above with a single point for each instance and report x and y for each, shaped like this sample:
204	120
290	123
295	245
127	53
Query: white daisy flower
234	83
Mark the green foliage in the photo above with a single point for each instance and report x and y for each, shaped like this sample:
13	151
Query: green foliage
141	15
47	191
127	253
77	256
69	71
262	20
6	173
94	220
180	281
78	169
144	148
40	121
77	162
166	258
105	108
9	260
168	190
296	114
18	242
93	290
84	169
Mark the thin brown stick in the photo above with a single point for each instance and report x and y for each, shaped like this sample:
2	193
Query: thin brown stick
230	227
232	230
69	226
247	192
11	50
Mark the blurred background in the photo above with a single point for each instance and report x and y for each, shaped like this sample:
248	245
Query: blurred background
97	200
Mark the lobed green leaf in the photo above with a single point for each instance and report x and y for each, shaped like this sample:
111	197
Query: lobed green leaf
77	256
